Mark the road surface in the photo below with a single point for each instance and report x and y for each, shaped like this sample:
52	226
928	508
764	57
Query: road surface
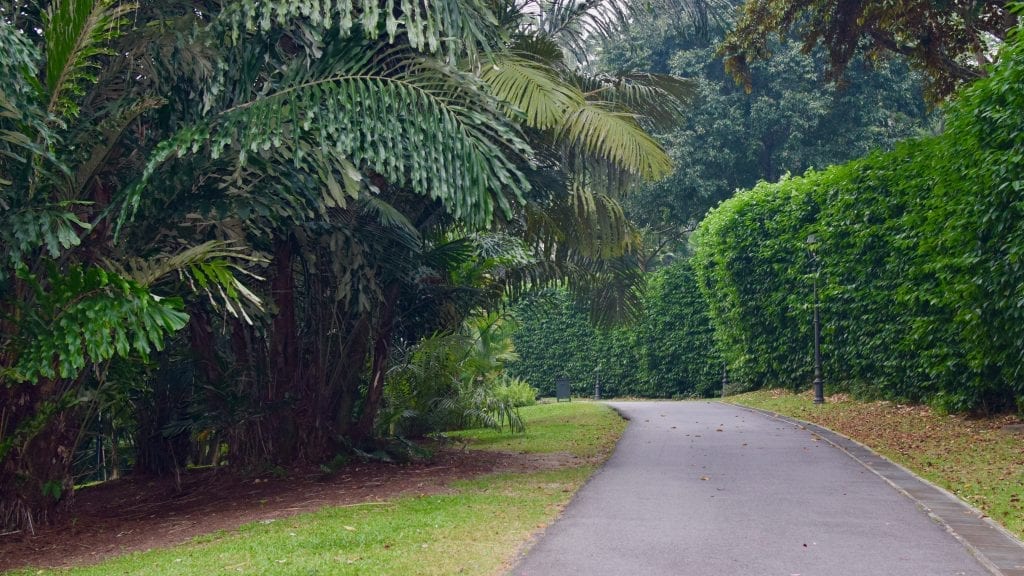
709	489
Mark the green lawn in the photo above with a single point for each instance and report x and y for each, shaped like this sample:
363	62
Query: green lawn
581	428
974	458
475	529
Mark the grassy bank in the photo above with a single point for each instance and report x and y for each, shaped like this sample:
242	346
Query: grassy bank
475	528
980	460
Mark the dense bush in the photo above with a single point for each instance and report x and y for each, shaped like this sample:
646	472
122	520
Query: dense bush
668	352
515	392
920	263
455	380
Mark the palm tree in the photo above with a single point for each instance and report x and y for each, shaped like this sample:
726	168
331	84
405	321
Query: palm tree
69	298
413	144
337	144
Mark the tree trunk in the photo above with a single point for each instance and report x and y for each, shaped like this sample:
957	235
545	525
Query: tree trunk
272	437
363	429
35	468
357	346
204	347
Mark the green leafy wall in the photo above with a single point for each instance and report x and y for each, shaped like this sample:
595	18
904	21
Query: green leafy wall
920	263
667	352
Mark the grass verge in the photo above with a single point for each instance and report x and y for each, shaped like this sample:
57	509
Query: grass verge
476	528
979	459
580	428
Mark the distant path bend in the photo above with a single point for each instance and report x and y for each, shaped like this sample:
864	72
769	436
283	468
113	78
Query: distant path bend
709	489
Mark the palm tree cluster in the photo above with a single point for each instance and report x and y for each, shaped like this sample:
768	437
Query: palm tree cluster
220	219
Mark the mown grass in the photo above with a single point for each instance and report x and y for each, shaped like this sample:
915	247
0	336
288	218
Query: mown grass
581	428
475	529
976	458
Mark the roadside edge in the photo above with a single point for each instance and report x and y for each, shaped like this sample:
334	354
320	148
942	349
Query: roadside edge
998	550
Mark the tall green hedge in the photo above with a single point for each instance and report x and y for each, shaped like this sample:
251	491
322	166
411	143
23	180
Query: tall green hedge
675	339
556	338
668	352
920	263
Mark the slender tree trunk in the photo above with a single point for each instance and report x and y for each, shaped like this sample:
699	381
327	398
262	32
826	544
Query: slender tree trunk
381	349
204	347
348	375
284	344
278	429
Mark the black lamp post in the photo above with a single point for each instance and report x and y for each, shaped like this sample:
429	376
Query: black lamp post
819	383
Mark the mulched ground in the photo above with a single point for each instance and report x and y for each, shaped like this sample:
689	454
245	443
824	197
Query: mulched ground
140	514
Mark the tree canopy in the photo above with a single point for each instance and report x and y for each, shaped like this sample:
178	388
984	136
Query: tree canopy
951	42
919	274
791	120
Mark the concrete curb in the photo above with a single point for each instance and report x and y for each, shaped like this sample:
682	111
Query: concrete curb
996	548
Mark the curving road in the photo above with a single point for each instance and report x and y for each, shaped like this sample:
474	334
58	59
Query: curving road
709	489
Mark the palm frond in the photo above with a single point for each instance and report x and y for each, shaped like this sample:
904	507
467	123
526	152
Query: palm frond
24	130
77	32
417	124
538	48
106	136
532	89
610	288
388	215
661	97
210	268
20	56
600	228
585	223
576	26
598	131
449	26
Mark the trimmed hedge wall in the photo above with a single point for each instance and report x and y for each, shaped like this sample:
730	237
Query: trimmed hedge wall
675	340
666	353
920	253
556	338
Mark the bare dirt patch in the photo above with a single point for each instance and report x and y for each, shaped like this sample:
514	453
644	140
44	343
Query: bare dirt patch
136	514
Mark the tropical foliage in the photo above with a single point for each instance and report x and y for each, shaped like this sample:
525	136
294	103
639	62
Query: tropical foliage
219	223
68	300
950	42
791	120
456	380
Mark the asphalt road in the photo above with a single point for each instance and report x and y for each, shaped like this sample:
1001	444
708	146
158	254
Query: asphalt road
707	489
